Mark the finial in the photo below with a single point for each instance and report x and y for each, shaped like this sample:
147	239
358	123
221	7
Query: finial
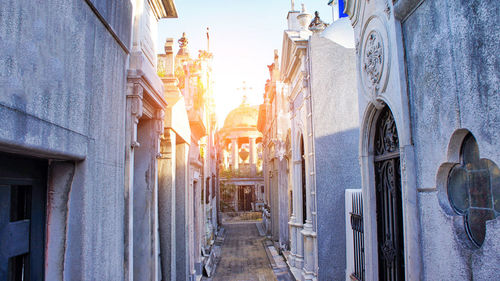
293	6
317	24
303	8
183	42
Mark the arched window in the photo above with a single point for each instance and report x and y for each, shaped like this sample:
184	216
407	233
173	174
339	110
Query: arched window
303	173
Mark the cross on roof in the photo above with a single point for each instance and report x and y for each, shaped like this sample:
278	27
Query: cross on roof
244	88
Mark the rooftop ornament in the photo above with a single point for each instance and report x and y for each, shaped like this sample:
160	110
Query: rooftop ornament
183	42
317	25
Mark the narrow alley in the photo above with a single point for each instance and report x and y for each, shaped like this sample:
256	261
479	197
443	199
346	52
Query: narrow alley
333	140
244	257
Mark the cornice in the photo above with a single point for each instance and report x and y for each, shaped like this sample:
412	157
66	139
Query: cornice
163	9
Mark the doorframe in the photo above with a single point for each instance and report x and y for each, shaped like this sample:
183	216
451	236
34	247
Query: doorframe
411	221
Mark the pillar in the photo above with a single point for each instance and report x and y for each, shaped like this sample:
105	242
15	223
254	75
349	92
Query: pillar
235	155
166	204
134	113
253	157
297	224
181	211
144	202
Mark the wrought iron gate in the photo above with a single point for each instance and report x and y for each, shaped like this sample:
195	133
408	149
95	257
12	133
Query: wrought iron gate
22	218
388	194
358	237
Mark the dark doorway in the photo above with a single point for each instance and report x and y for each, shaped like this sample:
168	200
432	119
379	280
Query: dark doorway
388	194
245	198
22	217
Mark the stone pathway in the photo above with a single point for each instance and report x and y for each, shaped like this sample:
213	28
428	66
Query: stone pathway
243	256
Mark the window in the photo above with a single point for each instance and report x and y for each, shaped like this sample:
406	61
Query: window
473	189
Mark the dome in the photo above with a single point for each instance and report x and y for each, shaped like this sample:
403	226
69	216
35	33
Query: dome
340	32
243	116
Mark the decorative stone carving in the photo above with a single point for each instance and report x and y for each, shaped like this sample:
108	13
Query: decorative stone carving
158	126
159	117
374	59
387	9
135	100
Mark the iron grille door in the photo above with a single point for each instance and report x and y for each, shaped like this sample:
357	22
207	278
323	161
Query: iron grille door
358	237
22	218
388	194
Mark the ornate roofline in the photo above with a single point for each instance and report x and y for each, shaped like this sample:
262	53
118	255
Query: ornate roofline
163	9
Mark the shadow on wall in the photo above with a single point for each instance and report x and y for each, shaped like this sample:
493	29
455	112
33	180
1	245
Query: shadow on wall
337	169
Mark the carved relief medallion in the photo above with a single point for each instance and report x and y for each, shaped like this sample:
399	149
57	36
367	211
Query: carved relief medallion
374	58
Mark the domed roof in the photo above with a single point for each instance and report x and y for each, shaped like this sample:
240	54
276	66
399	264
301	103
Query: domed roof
340	32
243	116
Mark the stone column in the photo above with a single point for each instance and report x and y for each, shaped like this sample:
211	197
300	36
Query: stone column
166	204
144	215
253	157
181	211
235	155
134	113
297	181
158	129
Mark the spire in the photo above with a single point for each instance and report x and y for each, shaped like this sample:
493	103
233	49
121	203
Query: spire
293	6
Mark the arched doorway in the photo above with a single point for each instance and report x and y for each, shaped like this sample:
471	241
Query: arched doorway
388	198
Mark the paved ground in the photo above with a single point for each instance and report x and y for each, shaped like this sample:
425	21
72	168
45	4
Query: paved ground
243	256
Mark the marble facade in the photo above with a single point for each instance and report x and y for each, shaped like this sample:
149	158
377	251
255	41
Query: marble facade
116	139
433	117
318	72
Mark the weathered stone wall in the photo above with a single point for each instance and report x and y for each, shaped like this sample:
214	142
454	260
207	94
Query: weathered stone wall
62	96
336	140
453	70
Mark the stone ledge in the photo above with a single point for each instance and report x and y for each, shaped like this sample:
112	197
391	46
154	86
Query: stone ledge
26	134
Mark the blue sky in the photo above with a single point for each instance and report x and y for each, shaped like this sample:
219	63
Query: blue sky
243	36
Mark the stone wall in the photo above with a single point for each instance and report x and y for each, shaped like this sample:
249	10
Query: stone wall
453	65
336	141
62	96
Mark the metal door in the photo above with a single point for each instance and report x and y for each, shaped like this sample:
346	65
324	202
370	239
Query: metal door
388	194
22	218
